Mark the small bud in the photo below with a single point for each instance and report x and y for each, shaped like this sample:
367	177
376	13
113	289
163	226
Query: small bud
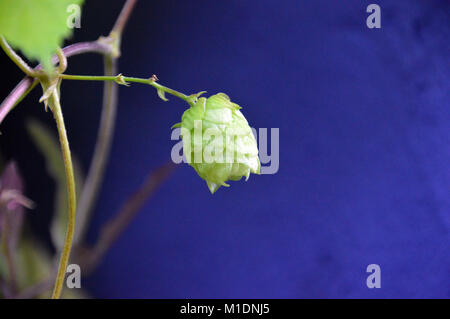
217	141
120	79
47	93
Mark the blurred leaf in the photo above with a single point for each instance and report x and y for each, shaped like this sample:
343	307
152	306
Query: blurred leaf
36	272
74	294
3	268
11	205
34	263
48	145
12	211
37	28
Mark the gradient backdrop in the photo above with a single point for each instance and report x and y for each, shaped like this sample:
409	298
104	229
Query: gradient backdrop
364	173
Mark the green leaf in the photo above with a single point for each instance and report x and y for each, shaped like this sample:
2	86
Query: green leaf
3	267
48	145
34	264
162	95
37	27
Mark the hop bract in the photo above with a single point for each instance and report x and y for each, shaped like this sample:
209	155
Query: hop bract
218	142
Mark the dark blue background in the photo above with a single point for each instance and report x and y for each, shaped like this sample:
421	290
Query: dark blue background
364	149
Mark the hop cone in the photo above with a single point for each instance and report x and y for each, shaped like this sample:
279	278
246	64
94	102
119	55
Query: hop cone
218	142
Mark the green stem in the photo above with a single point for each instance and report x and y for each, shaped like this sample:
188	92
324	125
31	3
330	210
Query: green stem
65	254
124	80
99	160
16	58
62	61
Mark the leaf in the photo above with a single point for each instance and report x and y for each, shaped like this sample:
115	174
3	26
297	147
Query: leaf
12	204
37	28
48	145
162	95
3	267
34	262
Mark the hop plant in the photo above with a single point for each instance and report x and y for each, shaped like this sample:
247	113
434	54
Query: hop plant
217	139
218	142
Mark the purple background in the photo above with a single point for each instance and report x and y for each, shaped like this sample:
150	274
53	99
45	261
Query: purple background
364	150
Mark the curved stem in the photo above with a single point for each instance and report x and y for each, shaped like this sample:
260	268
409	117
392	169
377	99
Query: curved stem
62	61
16	58
65	254
17	94
25	86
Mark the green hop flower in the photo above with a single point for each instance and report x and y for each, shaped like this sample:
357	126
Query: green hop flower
217	141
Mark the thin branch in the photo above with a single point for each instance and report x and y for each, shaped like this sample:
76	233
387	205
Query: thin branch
83	47
105	134
71	194
124	80
25	86
101	153
114	227
16	95
16	58
124	16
